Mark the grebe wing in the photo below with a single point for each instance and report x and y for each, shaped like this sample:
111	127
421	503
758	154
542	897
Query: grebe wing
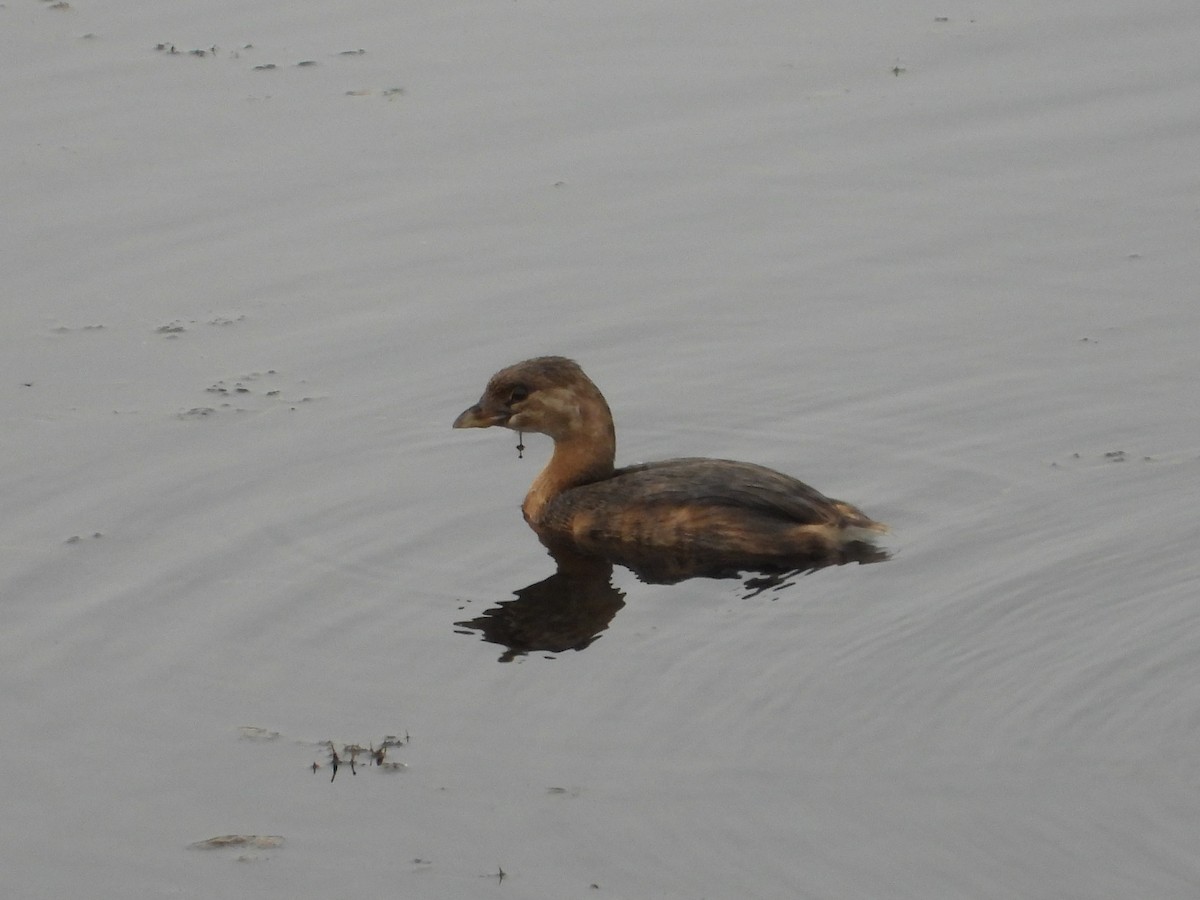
699	482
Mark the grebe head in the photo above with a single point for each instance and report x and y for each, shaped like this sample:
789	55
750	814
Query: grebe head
550	395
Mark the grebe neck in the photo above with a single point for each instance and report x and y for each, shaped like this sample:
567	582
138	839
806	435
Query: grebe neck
579	459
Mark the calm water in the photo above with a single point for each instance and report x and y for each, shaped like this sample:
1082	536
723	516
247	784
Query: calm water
238	524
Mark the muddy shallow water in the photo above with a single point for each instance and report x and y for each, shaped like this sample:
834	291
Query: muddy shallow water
944	270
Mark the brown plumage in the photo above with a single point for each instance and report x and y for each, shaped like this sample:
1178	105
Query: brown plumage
730	512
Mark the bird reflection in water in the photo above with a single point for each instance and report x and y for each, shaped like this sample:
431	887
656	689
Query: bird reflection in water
566	611
570	609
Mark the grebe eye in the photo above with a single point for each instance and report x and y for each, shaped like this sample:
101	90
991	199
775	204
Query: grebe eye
519	393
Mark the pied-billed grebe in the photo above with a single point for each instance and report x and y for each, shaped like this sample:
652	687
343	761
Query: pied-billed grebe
732	510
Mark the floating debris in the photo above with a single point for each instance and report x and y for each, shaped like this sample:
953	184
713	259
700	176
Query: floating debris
377	756
254	733
254	841
1112	456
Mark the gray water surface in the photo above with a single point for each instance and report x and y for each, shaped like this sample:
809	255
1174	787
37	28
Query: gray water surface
943	270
